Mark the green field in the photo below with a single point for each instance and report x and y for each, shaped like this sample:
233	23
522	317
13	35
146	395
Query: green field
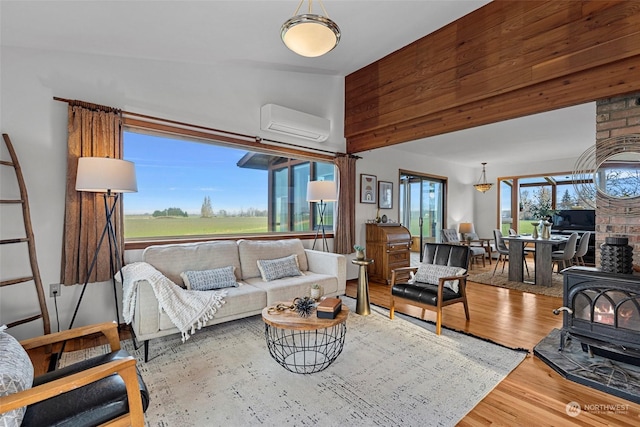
140	226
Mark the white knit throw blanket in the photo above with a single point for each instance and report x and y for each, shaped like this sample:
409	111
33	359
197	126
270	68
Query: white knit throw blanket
188	310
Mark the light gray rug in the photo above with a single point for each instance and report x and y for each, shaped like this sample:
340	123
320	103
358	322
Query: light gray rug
390	373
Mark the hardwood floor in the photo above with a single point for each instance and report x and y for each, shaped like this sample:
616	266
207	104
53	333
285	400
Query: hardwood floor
533	394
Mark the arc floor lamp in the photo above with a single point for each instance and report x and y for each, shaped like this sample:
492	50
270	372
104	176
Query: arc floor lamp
109	177
321	192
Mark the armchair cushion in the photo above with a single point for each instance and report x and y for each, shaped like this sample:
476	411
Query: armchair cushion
93	404
16	374
470	236
424	293
431	273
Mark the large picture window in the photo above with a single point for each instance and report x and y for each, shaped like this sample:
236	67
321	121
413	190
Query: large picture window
189	187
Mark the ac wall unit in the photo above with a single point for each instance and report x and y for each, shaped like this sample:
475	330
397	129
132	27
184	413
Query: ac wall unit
290	122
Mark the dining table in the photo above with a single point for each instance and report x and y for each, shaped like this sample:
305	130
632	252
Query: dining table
543	261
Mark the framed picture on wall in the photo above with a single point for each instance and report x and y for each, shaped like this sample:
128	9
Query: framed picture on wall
385	195
368	188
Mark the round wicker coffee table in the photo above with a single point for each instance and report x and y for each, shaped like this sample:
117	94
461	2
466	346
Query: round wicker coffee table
304	345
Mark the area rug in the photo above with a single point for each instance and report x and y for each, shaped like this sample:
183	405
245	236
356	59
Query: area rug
391	372
502	280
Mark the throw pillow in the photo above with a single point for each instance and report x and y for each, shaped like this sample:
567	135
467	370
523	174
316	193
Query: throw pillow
272	269
207	280
470	236
16	374
430	273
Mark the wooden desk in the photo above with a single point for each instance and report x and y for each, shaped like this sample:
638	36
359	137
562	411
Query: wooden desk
544	265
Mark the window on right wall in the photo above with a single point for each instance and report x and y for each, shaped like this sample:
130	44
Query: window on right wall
527	199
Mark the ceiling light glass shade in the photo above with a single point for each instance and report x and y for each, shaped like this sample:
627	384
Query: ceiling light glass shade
483	186
321	191
104	174
310	35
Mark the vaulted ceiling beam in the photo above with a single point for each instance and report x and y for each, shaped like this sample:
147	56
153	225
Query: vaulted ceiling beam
506	60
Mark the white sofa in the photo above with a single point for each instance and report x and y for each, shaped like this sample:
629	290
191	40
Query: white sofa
326	269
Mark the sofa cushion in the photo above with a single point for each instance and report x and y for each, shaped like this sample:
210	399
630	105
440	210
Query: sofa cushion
272	269
243	301
206	280
16	374
171	260
288	288
431	273
253	250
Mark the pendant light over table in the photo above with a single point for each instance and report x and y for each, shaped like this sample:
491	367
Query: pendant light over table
483	186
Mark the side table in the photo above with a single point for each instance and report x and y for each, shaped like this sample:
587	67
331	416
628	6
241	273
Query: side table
304	345
362	301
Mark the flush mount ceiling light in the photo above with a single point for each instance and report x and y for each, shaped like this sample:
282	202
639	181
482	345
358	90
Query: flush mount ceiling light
309	34
483	186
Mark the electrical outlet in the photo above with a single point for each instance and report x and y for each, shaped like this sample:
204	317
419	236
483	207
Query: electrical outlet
54	287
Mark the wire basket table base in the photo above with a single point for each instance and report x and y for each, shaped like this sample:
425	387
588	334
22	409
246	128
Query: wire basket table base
305	352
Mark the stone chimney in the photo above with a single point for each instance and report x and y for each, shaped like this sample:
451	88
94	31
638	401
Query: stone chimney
617	116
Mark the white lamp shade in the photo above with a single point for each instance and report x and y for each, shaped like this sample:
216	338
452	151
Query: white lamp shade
321	191
103	174
310	35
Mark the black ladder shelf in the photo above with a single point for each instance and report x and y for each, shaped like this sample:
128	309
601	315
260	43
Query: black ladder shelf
29	240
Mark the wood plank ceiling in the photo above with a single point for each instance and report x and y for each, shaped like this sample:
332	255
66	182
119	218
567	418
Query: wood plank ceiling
507	59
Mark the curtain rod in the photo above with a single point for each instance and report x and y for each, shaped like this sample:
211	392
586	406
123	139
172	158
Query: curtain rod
223	132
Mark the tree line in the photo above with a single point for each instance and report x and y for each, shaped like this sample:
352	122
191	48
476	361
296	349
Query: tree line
206	211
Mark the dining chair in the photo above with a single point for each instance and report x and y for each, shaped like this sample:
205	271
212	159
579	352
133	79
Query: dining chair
478	253
583	248
503	251
501	248
565	256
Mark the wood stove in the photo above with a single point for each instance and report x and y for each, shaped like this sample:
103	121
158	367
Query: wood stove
602	311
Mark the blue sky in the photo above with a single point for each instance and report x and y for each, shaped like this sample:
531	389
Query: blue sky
179	173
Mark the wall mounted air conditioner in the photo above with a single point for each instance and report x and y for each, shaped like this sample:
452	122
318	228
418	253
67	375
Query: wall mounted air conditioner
290	122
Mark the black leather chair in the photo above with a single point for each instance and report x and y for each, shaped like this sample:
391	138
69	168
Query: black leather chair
103	390
429	295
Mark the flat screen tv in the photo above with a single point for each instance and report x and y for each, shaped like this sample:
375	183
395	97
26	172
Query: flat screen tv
574	219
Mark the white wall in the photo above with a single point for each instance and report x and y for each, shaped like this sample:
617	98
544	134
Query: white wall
223	97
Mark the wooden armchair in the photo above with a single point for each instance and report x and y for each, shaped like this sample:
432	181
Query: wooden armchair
105	390
440	281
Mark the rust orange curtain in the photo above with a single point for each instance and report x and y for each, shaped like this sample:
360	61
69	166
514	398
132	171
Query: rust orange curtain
94	131
345	233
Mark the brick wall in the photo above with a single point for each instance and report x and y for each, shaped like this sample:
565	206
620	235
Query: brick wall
617	116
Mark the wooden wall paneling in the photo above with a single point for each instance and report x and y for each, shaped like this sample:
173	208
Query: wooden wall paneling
610	80
505	60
